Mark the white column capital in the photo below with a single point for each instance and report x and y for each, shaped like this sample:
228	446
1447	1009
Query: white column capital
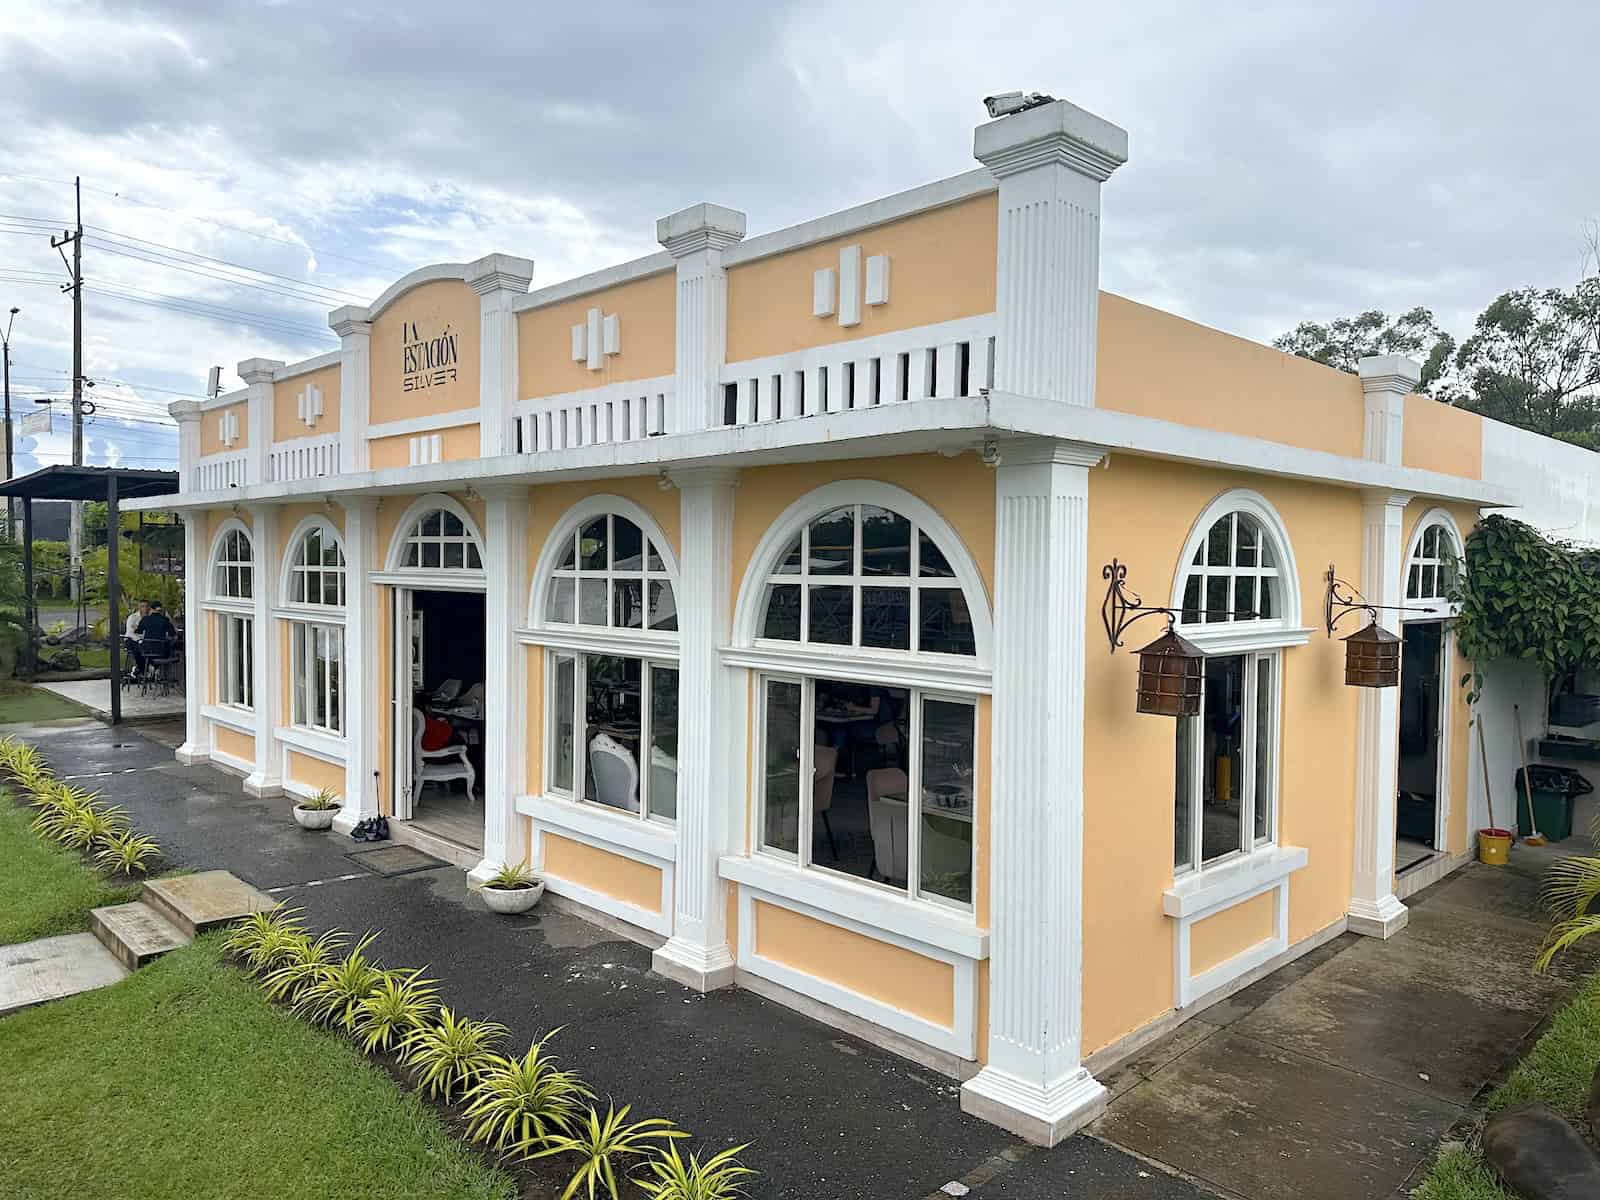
1386	381
694	477
350	321
258	370
1055	134
1036	451
500	273
1389	373
700	228
1385	498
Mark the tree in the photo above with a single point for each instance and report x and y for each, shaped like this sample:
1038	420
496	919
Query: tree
1533	361
1345	342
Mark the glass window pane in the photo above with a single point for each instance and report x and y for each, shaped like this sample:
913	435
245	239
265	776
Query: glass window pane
1267	598
949	739
1430	542
885	542
781	792
783	613
1267	557
454	555
945	625
833	543
331	584
311	548
611	717
789	564
1244	598
451	524
931	561
1216	598
1413	582
474	559
886	618
627	603
562	708
663	786
569	557
627	546
429	526
1183	831
1191	600
1219	542
560	600
1249	539
245	581
831	614
411	554
430	555
663	606
1221	758
1266	752
591	601
592	545
335	672
653	560
1427	581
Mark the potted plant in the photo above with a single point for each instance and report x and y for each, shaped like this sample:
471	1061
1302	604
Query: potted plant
318	811
512	889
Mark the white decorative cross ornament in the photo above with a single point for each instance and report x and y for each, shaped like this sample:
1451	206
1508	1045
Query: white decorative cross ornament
310	401
596	337
840	291
228	427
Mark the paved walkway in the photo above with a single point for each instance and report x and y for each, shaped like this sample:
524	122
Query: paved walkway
137	704
1334	1077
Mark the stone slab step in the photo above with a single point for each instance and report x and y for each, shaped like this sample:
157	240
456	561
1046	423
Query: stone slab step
204	900
50	968
136	933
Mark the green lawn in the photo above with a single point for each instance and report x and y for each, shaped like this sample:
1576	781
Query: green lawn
182	1081
1557	1071
44	889
19	702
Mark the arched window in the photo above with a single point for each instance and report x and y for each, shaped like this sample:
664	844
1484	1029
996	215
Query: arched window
316	567
610	575
315	579
440	540
1434	560
1235	574
868	624
604	593
232	589
233	566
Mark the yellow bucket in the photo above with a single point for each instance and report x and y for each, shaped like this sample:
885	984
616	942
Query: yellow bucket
1494	846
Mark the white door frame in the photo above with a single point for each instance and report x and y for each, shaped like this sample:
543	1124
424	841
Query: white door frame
1441	732
400	698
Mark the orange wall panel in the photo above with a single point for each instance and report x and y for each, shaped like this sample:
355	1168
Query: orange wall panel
1439	437
1230	932
286	422
625	879
647	313
211	429
445	307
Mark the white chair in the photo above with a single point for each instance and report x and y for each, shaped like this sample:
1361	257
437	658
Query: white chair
615	773
887	819
446	691
437	766
663	779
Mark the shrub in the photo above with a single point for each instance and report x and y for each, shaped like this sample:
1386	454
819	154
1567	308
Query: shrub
324	800
334	997
715	1179
401	1004
251	933
598	1140
92	825
511	877
127	853
448	1054
518	1102
57	814
303	961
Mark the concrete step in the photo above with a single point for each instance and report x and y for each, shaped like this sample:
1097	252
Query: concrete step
136	933
409	833
50	968
204	900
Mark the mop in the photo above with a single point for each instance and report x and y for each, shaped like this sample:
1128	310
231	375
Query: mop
1535	838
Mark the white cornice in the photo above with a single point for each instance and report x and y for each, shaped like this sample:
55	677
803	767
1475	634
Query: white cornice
595	281
700	227
1059	132
330	359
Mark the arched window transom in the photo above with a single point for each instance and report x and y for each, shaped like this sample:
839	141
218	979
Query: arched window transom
233	572
1235	574
440	541
317	573
611	575
865	576
1431	572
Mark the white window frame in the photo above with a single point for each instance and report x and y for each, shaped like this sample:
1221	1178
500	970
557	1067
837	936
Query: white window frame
221	564
303	689
665	575
236	661
440	578
1437	605
648	663
1231	636
297	570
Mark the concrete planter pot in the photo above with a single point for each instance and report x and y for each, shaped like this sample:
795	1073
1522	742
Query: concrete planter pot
314	818
512	900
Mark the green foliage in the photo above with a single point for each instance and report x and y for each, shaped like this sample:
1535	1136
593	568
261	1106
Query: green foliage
324	800
401	1004
1345	342
258	929
303	963
127	854
448	1054
598	1140
511	877
715	1179
93	825
334	997
518	1102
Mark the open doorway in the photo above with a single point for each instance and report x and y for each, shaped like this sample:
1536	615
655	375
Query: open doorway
1419	816
439	669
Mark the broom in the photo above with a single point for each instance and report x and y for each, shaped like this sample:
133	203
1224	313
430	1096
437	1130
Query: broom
1483	754
1535	838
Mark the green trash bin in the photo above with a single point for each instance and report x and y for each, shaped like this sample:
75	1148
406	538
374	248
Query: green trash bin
1555	789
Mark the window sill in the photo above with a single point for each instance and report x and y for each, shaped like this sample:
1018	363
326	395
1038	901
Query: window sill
230	604
867	906
844	662
1206	891
317	742
649	838
242	720
629	643
327	614
1228	638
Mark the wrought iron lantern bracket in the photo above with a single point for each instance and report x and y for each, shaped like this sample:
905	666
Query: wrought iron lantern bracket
1344	598
1121	608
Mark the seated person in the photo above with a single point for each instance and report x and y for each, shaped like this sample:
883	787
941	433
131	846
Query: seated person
131	637
156	627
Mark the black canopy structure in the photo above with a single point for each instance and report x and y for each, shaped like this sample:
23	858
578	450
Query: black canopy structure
111	484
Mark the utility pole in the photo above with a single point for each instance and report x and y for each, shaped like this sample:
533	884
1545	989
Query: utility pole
5	352
75	237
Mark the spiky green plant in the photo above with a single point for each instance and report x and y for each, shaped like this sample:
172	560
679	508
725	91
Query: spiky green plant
597	1140
303	963
449	1053
1571	887
402	1003
92	825
57	815
517	1102
511	877
325	799
53	793
334	997
715	1179
127	853
250	934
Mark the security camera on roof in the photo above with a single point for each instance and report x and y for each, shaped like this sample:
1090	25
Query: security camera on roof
1006	103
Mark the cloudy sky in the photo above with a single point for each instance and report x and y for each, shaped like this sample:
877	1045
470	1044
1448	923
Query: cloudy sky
249	166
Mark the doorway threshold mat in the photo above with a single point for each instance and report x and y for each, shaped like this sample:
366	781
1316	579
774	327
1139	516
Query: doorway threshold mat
389	861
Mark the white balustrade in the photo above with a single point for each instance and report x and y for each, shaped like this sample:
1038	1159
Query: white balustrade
303	458
216	472
617	412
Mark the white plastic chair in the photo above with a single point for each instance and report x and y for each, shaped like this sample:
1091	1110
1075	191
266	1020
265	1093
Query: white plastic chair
663	779
887	818
615	773
438	766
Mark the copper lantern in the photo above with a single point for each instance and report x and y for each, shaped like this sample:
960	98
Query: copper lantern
1171	671
1372	658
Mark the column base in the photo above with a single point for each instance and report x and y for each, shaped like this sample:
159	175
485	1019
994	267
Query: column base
696	967
1043	1116
261	786
483	872
1382	919
191	755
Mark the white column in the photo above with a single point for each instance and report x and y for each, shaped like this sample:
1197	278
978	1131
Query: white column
267	778
696	238
1050	162
1034	1083
505	692
257	375
498	279
362	711
355	384
1386	381
187	414
711	727
1374	909
196	746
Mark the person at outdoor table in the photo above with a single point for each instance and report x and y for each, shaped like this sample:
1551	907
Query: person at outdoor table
157	626
131	637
